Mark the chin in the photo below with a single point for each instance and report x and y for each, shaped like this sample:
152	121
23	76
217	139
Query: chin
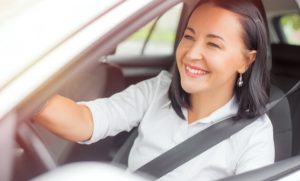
189	87
190	90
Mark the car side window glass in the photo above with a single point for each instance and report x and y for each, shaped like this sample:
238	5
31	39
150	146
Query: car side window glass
290	28
155	38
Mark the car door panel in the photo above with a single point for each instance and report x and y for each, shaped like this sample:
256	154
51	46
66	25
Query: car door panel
138	68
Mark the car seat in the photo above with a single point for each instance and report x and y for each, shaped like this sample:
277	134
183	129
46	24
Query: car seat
285	73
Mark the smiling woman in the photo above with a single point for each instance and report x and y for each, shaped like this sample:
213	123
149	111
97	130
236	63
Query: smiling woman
221	71
218	46
223	51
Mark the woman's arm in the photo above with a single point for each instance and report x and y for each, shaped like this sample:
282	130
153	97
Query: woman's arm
66	119
93	120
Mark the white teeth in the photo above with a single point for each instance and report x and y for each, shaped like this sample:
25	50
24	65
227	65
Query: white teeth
195	71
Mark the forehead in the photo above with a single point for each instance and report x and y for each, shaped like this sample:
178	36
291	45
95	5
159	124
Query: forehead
215	19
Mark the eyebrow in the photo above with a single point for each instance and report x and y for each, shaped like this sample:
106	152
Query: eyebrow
191	29
215	36
209	35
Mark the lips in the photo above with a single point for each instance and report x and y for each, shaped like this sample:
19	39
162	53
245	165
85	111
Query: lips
194	71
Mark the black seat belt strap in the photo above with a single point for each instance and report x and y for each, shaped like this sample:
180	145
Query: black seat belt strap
200	142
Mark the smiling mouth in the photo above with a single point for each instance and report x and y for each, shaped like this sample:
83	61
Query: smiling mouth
195	71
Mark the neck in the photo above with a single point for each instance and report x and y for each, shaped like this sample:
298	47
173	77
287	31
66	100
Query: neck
204	103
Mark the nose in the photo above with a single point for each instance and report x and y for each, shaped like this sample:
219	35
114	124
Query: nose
195	52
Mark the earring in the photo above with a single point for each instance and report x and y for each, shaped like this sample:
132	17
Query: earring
240	81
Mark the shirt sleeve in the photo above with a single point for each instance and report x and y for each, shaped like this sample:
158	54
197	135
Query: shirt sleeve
259	151
122	111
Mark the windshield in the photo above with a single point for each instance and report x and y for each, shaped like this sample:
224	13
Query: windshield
29	29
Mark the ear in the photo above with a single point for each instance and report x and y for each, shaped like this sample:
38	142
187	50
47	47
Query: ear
249	59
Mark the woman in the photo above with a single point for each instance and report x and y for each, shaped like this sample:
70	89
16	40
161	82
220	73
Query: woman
221	71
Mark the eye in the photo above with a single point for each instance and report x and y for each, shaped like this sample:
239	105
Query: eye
213	45
188	37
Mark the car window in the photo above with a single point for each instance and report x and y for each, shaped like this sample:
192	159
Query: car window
155	38
289	25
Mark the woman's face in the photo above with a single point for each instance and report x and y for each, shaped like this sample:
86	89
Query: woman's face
212	52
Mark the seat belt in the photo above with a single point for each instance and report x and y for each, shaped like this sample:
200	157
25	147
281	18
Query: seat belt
201	142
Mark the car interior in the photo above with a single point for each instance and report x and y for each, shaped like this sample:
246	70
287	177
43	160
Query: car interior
39	151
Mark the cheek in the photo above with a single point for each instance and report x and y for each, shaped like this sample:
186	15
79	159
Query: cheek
224	64
216	61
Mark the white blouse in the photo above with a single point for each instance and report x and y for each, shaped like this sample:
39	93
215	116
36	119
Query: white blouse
160	129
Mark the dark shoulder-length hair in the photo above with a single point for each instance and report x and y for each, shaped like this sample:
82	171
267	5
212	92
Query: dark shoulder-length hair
254	94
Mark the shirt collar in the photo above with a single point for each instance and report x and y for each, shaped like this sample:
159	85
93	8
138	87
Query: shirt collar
227	110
